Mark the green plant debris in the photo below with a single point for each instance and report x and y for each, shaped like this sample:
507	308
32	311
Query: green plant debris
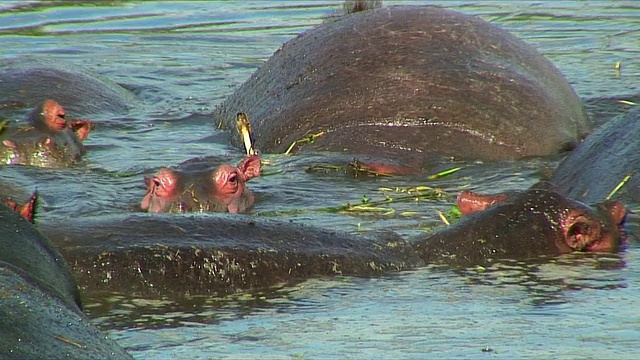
309	139
444	173
619	186
442	217
3	125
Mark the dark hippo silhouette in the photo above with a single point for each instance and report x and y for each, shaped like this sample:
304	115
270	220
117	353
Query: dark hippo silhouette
215	254
602	161
199	188
49	139
409	82
538	222
26	83
40	307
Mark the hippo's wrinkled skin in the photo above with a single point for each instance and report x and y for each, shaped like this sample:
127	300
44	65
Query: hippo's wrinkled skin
215	254
602	161
407	82
48	140
195	189
26	83
538	222
40	315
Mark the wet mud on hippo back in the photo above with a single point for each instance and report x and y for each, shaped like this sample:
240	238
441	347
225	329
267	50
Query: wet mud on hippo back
26	83
411	80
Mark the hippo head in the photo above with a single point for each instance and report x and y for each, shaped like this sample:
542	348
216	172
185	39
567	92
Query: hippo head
220	190
50	118
578	227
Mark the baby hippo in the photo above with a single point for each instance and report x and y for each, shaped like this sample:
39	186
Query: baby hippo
196	190
49	140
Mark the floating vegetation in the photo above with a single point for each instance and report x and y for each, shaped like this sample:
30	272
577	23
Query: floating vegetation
244	129
444	173
309	139
619	186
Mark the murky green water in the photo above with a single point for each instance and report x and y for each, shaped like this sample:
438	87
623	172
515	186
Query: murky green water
182	58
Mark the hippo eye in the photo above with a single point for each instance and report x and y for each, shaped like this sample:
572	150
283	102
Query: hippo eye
157	182
233	178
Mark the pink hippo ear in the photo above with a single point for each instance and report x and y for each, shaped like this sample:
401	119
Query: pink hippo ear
470	202
616	210
81	128
250	167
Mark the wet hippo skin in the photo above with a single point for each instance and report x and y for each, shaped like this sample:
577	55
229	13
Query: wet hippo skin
25	83
47	138
408	82
199	186
40	315
539	222
215	254
602	161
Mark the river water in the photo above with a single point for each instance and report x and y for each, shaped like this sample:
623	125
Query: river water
183	58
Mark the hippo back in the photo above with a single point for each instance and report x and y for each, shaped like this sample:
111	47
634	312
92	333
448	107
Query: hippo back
410	80
80	91
602	161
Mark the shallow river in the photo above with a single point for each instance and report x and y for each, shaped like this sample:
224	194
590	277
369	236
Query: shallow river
183	58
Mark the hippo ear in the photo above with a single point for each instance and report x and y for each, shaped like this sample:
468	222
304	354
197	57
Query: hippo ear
470	202
581	231
10	144
615	209
250	167
81	128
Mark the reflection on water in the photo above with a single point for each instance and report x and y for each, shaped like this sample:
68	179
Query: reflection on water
183	58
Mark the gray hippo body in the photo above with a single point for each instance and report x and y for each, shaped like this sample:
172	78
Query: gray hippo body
602	161
408	82
40	315
216	254
25	84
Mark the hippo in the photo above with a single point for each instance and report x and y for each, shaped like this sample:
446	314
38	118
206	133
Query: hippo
197	187
607	157
215	254
26	83
413	83
41	309
48	140
539	222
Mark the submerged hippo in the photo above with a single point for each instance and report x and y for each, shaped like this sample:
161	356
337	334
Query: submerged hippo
408	82
538	222
48	140
26	83
606	158
197	187
40	307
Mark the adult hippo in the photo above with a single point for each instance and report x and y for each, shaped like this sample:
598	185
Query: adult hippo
536	223
27	83
602	161
40	314
408	82
48	139
215	254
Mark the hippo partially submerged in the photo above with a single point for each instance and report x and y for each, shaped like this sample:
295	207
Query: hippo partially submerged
26	83
197	187
408	82
49	139
40	309
536	223
605	159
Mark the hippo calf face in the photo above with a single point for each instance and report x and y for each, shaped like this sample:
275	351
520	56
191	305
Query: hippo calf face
220	190
49	139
